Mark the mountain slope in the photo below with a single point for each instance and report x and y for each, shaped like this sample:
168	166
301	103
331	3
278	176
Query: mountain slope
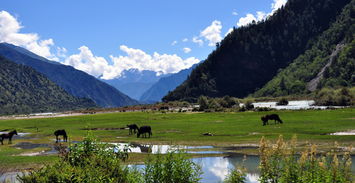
251	56
156	92
24	90
73	81
329	63
134	82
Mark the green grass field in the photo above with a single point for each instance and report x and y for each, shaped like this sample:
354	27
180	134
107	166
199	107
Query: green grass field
183	128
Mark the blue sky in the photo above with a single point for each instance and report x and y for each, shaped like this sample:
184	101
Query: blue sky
103	38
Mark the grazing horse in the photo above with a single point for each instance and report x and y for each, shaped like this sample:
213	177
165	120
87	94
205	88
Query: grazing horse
61	132
132	127
143	130
8	136
266	119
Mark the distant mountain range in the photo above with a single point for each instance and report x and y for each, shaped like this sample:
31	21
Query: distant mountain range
24	90
166	84
134	83
303	46
75	82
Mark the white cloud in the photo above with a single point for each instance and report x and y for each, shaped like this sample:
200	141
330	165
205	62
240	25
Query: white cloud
260	15
249	18
212	33
195	39
185	40
136	58
10	33
87	62
277	4
61	52
186	50
174	43
234	13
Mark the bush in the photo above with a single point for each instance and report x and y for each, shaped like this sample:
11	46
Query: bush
236	176
77	166
332	97
92	161
249	105
173	168
282	101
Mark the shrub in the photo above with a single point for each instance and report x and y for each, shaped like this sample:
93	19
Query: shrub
249	105
88	161
92	161
236	176
173	168
282	101
331	97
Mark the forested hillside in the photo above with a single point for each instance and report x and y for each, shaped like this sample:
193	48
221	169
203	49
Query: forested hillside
75	82
251	56
329	63
24	90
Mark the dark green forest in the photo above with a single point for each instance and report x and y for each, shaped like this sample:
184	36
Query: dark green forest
335	47
252	55
23	90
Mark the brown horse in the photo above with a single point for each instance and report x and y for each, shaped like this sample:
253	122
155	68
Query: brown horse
8	136
61	132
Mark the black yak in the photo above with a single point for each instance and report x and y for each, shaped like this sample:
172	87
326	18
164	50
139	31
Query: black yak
132	128
143	130
266	118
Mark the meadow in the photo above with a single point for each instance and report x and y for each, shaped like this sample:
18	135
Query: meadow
228	129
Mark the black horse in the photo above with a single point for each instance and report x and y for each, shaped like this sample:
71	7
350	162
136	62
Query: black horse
8	136
266	119
143	130
132	128
61	132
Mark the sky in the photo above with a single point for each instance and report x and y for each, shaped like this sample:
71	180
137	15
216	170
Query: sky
103	38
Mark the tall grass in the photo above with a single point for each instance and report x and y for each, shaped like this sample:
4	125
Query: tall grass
280	163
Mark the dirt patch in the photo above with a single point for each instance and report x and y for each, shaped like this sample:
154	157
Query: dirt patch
219	121
173	131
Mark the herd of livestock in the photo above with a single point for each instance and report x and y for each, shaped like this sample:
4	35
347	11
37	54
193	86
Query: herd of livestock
133	128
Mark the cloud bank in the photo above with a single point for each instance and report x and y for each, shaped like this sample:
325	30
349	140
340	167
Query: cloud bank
135	58
10	33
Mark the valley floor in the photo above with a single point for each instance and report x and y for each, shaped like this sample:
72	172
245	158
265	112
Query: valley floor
236	132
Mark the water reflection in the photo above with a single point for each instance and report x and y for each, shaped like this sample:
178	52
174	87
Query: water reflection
216	169
163	149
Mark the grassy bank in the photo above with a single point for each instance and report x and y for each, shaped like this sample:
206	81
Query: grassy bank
228	129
